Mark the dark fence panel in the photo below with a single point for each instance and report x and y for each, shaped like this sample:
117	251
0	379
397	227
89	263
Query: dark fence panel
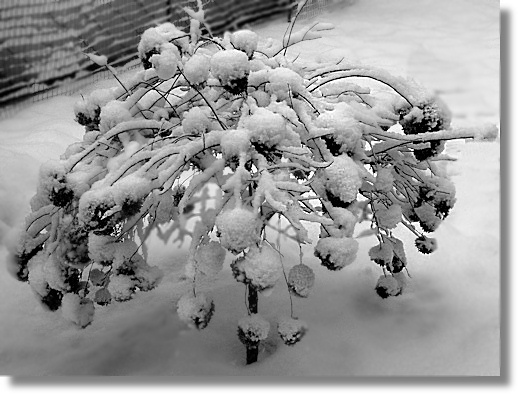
42	42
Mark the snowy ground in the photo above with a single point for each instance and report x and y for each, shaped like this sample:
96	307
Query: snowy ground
447	323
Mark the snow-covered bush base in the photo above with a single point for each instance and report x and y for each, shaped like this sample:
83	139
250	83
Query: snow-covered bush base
274	137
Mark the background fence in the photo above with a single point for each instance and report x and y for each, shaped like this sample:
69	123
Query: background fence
42	42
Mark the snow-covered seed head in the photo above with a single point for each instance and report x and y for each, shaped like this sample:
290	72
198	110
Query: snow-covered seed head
61	195
382	254
384	179
238	228
438	193
291	330
261	268
341	179
154	37
252	329
121	287
425	118
336	253
245	40
210	258
196	311
166	61
387	217
284	82
344	220
301	279
52	186
388	286
102	296
93	210
399	261
234	143
196	121
428	219
73	248
426	245
231	67
265	127
197	69
113	113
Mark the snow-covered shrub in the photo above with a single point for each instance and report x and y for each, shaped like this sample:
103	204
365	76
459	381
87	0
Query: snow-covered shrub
230	133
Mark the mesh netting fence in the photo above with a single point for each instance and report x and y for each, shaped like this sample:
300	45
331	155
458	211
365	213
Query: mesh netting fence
43	42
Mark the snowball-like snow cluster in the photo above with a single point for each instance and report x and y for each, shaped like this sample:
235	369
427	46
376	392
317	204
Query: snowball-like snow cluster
154	37
121	287
261	267
245	40
52	186
336	253
229	66
88	109
387	217
284	82
425	244
266	127
166	61
388	286
99	206
196	121
252	329
102	296
239	228
301	279
344	220
291	330
399	261
197	69
235	142
346	131
342	178
382	254
196	311
210	258
112	114
101	248
384	179
428	219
